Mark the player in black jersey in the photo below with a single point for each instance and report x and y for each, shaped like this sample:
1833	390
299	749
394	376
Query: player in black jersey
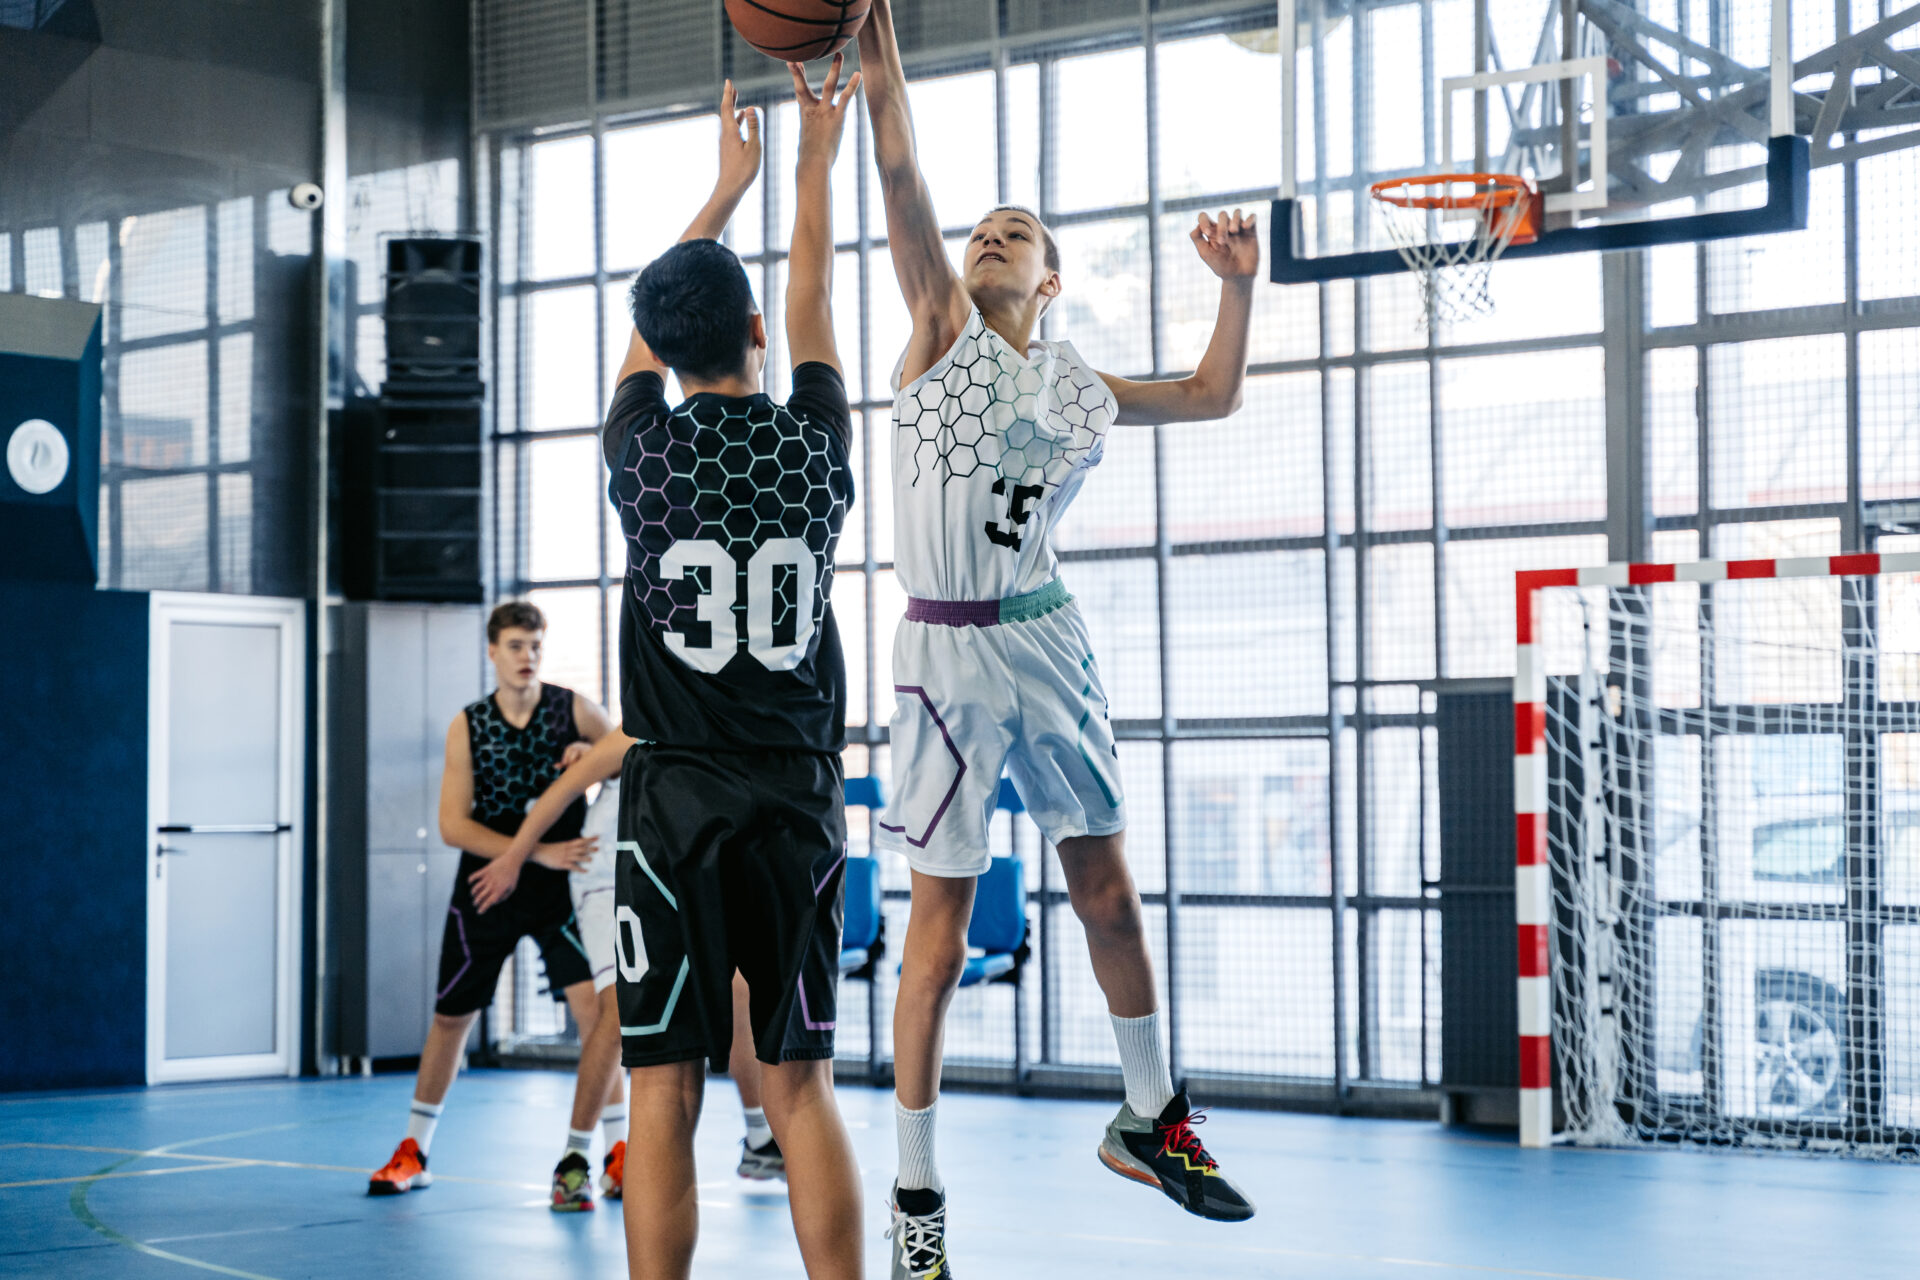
502	752
732	835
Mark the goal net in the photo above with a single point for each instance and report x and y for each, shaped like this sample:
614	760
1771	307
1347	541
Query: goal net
1718	796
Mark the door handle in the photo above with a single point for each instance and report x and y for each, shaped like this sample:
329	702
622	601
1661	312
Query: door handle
229	829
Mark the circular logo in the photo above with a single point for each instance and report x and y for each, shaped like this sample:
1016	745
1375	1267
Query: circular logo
37	456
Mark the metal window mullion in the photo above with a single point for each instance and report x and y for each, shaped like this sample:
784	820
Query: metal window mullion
608	677
1853	524
869	565
1163	547
115	425
210	331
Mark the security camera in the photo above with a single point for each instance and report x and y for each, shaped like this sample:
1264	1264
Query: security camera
307	195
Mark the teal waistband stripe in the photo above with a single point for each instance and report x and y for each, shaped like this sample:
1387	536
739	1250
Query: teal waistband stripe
1036	604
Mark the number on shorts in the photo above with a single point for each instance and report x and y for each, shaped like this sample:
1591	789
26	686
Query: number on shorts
715	606
628	944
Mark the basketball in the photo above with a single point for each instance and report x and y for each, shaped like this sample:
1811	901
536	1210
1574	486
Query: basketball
797	30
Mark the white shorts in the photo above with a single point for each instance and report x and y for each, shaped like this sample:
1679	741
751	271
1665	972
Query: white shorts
971	701
593	888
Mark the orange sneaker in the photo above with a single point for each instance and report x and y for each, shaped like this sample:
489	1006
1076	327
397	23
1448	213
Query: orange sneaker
613	1170
407	1171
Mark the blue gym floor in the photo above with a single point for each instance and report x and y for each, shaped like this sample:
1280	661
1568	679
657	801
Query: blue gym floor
267	1180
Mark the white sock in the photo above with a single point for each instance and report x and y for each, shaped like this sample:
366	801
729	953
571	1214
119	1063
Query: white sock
613	1123
915	1131
580	1140
1144	1064
422	1120
759	1132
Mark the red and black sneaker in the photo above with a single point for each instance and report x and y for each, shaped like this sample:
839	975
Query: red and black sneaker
407	1171
1165	1152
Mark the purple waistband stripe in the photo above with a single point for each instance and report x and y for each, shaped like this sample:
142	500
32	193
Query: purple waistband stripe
990	613
955	613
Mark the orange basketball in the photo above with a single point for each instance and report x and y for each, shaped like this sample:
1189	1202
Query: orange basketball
797	30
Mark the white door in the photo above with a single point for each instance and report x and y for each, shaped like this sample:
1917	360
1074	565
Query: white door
226	786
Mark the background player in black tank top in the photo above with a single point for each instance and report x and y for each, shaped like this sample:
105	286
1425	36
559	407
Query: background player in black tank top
502	752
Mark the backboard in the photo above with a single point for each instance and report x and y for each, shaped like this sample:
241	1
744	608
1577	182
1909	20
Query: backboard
1643	123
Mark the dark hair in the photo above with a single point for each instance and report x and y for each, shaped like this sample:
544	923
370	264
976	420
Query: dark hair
1051	249
692	305
514	613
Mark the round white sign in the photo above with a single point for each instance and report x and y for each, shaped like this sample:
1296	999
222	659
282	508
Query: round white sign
37	456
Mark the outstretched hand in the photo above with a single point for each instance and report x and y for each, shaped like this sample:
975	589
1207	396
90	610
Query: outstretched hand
1229	244
823	117
739	143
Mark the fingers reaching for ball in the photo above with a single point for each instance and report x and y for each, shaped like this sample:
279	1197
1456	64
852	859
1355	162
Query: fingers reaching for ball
739	142
822	115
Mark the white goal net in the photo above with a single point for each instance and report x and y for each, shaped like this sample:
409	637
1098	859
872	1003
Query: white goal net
1729	790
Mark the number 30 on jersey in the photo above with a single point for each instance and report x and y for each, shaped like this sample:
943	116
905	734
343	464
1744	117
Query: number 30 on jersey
715	606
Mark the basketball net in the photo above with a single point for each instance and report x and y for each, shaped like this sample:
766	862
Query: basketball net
1456	273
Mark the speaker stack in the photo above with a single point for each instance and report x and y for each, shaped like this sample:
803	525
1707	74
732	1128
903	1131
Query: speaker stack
427	446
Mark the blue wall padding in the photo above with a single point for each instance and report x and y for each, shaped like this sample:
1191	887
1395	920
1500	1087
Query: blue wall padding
73	839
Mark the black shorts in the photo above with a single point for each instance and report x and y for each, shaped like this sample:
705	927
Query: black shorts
474	946
728	861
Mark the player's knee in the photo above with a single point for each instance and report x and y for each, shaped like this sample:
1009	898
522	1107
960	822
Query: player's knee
1111	909
454	1023
935	960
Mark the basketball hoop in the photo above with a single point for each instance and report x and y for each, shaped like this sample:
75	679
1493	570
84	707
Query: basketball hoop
1455	272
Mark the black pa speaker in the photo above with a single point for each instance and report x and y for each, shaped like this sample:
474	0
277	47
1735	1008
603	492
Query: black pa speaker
50	429
433	316
427	486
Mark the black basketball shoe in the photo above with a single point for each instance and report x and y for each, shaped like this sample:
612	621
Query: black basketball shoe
1166	1153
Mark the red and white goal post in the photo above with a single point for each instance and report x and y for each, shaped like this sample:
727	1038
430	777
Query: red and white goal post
1718	888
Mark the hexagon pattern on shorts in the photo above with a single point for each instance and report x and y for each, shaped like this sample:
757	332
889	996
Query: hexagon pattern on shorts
511	767
739	472
1031	422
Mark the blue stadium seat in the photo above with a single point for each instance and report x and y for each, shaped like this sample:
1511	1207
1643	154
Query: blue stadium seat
860	934
998	930
865	793
863	928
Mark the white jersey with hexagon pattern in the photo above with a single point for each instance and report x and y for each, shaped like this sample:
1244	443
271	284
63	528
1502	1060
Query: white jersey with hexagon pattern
990	447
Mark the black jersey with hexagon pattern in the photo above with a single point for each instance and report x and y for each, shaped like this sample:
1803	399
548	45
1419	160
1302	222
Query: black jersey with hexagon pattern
990	448
512	766
731	508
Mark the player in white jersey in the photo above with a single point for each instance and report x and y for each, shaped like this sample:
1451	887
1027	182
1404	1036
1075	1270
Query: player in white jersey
994	432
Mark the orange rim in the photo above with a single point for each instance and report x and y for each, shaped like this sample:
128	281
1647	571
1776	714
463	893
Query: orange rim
1501	190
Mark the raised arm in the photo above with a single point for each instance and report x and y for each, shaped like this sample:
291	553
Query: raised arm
935	297
810	263
1230	246
739	166
495	881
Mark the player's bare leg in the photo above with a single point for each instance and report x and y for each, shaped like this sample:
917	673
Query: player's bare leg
440	1057
761	1159
598	1084
932	959
1152	1140
573	1176
599	1098
1100	886
824	1184
662	1213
